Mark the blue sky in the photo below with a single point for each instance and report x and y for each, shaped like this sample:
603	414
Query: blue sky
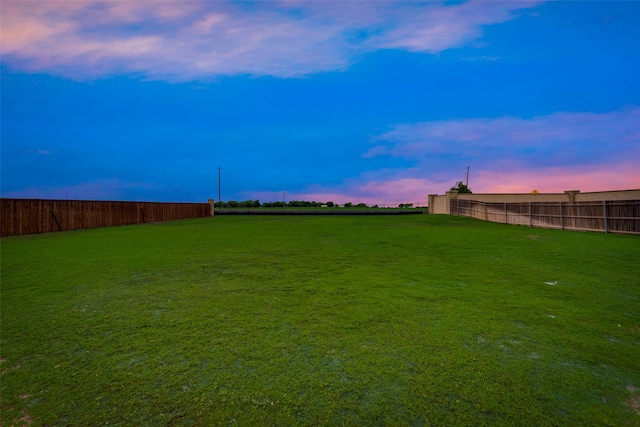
353	101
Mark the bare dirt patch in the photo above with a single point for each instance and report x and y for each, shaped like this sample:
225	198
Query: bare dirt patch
634	399
24	420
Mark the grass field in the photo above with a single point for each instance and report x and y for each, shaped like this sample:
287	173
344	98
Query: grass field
416	320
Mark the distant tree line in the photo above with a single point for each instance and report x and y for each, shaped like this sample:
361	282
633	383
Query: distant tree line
294	204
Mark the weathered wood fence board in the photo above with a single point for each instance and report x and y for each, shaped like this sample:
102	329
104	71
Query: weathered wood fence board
31	216
607	216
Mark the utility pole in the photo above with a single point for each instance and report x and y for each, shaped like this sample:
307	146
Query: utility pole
219	201
467	184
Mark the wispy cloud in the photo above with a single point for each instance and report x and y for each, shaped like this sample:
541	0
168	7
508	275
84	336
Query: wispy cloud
560	139
434	29
561	151
409	186
587	151
368	189
41	152
103	189
553	153
201	39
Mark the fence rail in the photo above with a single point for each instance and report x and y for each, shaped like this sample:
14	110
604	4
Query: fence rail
31	216
606	216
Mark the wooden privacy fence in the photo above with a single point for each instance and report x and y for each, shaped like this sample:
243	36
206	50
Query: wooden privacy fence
29	216
619	216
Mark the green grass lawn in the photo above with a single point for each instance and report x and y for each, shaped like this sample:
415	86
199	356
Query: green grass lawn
400	320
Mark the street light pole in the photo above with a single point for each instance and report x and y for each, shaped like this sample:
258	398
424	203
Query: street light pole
219	201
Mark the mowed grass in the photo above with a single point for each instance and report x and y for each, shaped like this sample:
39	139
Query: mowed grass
416	320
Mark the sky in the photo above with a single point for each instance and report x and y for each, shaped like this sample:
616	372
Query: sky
377	102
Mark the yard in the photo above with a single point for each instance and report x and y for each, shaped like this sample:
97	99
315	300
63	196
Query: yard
320	320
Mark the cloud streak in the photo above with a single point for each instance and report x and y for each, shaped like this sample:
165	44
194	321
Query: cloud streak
389	192
104	189
410	187
559	139
560	151
204	39
619	176
553	153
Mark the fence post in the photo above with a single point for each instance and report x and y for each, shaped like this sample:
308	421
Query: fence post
485	210
604	207
561	221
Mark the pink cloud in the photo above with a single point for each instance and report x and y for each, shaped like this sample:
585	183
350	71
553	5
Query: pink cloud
557	152
434	29
406	187
575	138
388	192
624	176
195	39
396	190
